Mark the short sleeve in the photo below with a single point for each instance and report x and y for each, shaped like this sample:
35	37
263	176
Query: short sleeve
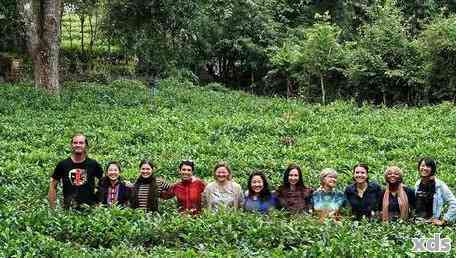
98	170
58	171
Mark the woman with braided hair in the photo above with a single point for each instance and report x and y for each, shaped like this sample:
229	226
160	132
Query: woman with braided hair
398	200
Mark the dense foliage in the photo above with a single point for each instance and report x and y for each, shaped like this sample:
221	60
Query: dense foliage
125	122
10	39
378	51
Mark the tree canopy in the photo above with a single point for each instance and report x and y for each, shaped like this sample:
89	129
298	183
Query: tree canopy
380	51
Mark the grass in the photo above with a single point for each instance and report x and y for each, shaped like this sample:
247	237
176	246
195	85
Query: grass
124	122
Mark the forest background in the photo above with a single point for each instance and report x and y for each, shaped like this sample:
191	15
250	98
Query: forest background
259	83
375	51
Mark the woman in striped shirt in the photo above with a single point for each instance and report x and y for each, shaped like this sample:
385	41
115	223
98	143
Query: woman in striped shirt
147	188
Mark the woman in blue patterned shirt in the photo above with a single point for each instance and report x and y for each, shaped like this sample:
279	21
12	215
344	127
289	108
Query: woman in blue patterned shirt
326	201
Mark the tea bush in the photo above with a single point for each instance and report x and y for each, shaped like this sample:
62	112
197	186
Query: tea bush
125	122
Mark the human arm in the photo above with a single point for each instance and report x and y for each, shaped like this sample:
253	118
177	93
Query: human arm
411	198
449	198
347	203
281	202
205	198
56	175
241	198
99	195
162	185
168	193
52	194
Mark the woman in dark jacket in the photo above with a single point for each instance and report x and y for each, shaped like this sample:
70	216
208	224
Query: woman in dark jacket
111	189
363	196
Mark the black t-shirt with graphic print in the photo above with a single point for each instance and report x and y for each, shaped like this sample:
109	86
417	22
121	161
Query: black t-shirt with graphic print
78	181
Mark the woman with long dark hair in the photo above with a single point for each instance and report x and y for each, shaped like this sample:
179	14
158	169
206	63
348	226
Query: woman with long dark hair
112	190
259	198
363	195
432	194
145	191
293	195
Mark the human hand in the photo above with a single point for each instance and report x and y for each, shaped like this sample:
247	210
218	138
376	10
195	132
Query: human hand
438	222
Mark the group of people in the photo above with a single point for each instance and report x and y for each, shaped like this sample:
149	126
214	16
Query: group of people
425	202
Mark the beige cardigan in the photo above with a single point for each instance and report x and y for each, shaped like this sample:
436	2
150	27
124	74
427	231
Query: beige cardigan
216	196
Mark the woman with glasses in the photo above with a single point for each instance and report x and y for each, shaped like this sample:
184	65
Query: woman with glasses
188	191
327	202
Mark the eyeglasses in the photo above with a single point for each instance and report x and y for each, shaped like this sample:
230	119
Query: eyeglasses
189	161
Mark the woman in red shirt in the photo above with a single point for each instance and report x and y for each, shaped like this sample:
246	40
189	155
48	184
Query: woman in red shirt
188	190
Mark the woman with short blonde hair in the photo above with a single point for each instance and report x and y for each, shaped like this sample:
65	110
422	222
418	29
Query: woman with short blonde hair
326	201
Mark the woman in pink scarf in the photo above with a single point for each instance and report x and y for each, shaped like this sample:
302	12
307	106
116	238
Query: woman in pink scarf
398	200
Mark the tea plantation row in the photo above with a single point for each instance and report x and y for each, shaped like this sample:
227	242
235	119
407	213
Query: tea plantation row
125	122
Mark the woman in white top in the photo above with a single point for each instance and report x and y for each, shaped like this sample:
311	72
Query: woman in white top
223	192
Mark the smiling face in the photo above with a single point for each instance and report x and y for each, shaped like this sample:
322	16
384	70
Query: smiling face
146	170
222	174
257	184
360	175
78	144
293	176
393	176
425	170
330	181
113	172
186	172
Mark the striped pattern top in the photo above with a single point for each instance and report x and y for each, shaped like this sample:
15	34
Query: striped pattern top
162	185
143	196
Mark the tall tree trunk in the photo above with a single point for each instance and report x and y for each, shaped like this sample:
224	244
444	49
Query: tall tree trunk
82	22
109	33
323	92
70	34
288	88
41	21
91	31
